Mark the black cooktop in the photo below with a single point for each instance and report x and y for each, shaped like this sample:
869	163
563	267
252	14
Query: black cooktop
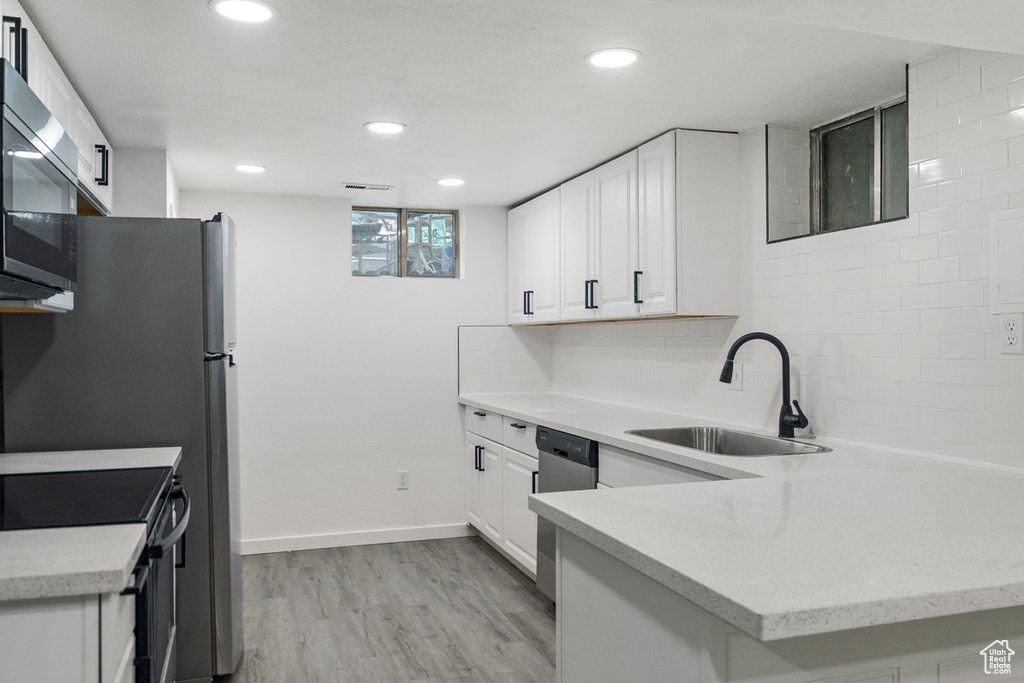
82	498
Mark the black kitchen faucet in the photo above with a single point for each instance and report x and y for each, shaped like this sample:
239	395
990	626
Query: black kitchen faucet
787	419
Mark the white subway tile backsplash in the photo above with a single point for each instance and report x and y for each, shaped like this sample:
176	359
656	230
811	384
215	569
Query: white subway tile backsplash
958	242
972	59
925	147
1002	126
1003	181
959	191
958	138
920	296
963	346
1002	71
900	275
938	169
941	118
962	294
959	87
940	270
936	69
987	158
984	104
976	214
919	248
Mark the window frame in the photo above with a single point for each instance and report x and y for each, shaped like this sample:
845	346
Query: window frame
403	240
874	113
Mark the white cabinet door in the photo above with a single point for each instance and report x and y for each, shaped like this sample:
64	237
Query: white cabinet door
95	158
518	522
656	183
577	247
50	639
599	242
533	264
483	490
615	238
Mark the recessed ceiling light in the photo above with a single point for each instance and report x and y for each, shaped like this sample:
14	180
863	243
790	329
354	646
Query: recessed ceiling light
250	11
451	182
250	168
385	127
613	58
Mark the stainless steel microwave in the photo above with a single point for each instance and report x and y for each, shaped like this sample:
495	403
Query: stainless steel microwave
40	197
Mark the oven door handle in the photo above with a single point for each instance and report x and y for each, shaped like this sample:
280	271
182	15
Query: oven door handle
165	544
141	576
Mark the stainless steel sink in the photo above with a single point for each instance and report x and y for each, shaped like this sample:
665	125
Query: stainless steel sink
727	441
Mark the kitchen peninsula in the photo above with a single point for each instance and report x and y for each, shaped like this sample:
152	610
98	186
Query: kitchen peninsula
862	564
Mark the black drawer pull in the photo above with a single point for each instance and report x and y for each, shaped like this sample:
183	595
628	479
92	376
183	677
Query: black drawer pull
479	414
535	473
516	425
636	286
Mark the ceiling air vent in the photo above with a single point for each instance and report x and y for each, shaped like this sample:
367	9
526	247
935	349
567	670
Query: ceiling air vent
364	186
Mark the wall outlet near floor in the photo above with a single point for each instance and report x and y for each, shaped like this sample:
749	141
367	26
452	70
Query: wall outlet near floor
737	378
403	480
1011	333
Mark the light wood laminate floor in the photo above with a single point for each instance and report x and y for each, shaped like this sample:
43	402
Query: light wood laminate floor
444	610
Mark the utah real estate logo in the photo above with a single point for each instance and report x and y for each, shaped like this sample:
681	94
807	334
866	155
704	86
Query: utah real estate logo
997	657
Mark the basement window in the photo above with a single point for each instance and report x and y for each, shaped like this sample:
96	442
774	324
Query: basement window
859	169
404	242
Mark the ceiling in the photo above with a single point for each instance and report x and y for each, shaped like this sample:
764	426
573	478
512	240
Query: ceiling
494	92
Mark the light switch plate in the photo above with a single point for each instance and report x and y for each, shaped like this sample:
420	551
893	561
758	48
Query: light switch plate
1011	333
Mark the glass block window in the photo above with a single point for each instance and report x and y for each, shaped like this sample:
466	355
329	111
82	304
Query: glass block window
404	242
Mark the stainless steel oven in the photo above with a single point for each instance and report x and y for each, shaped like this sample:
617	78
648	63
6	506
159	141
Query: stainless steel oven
154	590
40	236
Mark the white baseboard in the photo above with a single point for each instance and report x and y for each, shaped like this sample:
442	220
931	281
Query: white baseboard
260	546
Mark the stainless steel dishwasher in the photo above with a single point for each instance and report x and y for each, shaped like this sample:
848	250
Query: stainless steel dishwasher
566	462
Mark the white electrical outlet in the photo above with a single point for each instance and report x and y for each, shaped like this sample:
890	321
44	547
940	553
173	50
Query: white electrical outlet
403	480
1011	329
737	378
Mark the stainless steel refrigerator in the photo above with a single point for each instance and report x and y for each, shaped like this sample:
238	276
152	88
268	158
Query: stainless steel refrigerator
145	359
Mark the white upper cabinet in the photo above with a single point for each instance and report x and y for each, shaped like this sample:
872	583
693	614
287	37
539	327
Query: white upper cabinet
654	232
656	271
577	229
47	80
533	267
599	241
94	158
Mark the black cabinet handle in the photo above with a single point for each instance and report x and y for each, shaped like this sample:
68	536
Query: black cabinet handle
529	301
636	286
17	38
526	302
104	177
479	414
535	473
478	460
589	295
516	425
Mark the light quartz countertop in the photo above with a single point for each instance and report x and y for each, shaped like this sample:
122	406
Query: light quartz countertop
48	563
795	545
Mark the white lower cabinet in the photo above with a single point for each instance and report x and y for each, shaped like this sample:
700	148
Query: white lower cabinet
519	523
77	639
483	507
501	479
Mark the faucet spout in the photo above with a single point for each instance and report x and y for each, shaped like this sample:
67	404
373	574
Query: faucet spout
788	419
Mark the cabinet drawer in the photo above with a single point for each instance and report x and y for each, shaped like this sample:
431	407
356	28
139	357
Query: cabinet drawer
520	435
484	423
617	467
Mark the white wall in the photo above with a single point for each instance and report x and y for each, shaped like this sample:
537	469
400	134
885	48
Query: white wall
892	339
345	380
144	184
